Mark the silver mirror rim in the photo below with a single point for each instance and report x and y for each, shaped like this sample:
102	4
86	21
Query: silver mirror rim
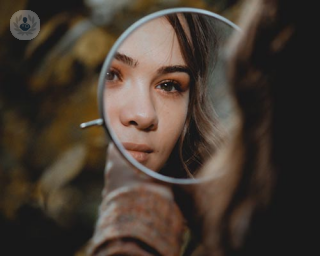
101	86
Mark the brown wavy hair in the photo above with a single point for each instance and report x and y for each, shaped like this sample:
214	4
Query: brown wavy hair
201	135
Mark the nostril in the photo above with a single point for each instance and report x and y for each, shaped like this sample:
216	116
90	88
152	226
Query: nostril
151	127
133	123
142	127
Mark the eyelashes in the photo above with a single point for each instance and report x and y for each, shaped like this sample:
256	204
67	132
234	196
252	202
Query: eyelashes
115	77
169	86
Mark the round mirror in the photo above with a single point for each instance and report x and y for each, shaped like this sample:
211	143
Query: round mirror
163	95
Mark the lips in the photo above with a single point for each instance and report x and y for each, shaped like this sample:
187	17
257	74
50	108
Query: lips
140	152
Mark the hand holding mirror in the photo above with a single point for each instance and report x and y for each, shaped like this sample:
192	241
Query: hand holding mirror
162	92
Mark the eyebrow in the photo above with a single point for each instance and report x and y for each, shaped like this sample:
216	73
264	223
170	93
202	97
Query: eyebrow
162	70
126	59
173	69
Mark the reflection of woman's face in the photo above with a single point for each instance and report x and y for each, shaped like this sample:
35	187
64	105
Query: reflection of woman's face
147	93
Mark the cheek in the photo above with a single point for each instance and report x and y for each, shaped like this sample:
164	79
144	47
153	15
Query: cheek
173	118
111	108
181	111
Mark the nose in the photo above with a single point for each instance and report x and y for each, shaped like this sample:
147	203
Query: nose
139	111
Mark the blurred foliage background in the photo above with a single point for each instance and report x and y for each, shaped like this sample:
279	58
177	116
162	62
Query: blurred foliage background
51	171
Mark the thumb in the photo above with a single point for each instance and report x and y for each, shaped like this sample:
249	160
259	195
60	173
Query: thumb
119	172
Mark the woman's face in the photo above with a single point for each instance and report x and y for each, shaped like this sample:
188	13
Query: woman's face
147	93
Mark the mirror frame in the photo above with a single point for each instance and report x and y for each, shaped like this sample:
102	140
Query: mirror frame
101	87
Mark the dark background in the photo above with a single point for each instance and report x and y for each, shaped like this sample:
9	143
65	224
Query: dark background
51	171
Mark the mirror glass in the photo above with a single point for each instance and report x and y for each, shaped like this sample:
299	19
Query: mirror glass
163	93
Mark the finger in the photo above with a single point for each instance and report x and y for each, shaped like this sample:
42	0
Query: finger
119	172
115	160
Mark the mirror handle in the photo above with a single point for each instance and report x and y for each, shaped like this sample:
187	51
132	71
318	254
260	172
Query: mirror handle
95	122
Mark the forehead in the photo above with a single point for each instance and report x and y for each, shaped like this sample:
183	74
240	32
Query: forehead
154	41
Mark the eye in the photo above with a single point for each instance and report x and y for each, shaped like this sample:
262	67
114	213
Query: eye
113	75
169	86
